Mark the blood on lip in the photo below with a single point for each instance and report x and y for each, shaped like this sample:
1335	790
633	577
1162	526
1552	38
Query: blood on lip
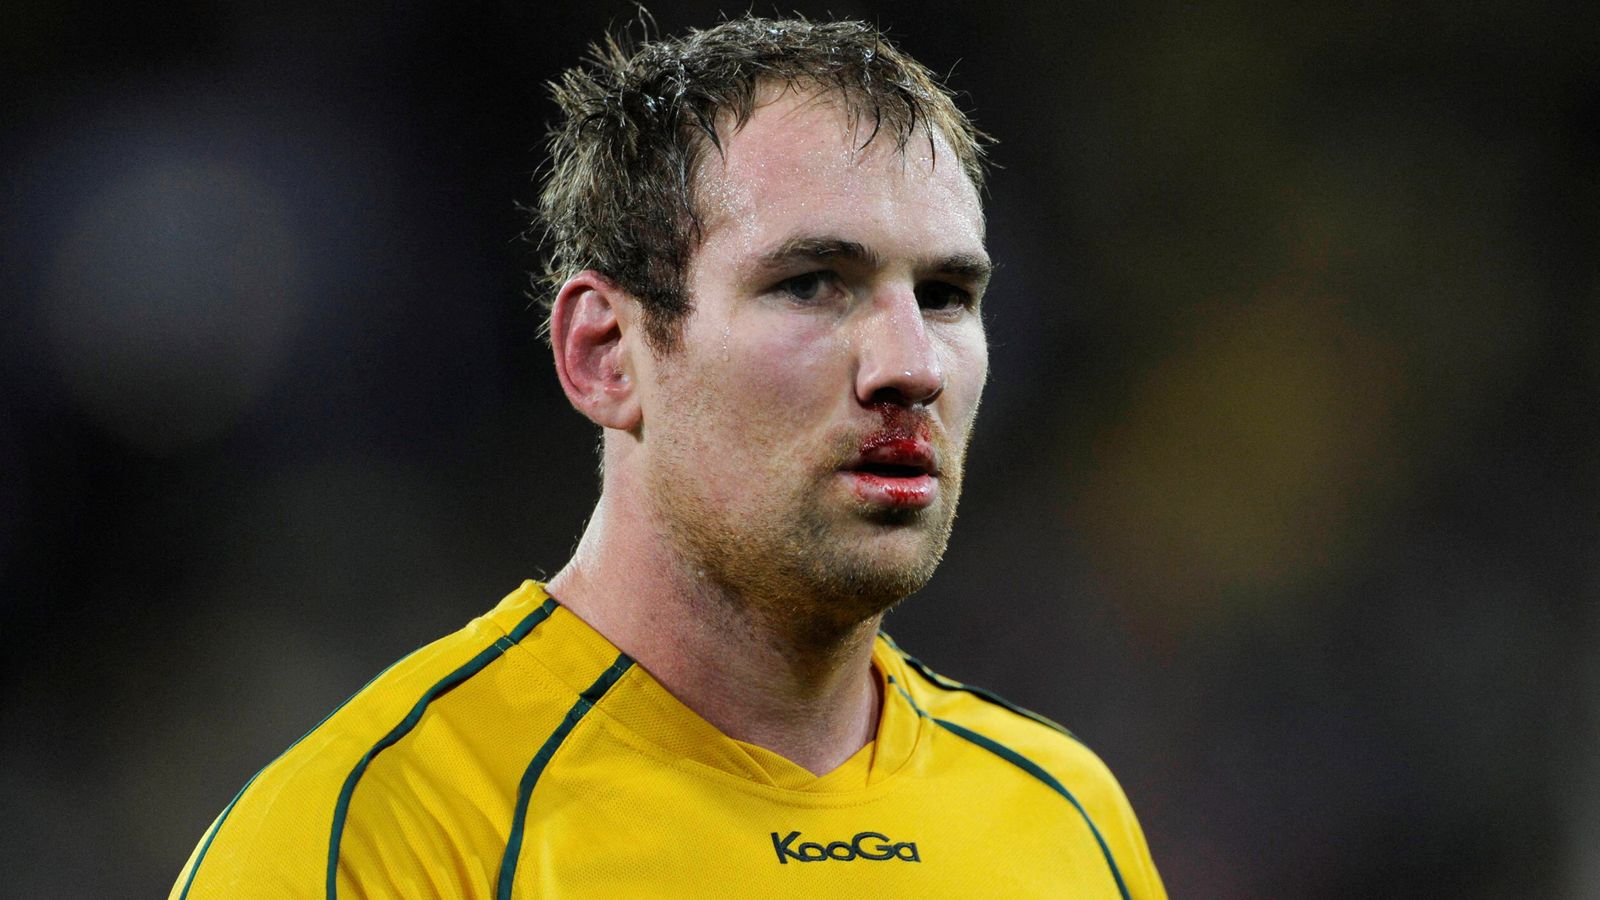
909	491
904	440
894	450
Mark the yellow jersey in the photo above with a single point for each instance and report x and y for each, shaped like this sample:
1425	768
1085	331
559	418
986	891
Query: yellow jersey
526	757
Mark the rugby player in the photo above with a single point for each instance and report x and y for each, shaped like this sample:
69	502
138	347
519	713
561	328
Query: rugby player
767	259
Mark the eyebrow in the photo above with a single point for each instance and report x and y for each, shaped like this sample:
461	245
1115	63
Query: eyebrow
969	266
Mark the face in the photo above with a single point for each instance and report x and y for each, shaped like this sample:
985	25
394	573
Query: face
803	444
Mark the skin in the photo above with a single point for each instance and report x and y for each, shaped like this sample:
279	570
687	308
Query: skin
732	553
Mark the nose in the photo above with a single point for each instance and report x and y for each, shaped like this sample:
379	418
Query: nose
897	361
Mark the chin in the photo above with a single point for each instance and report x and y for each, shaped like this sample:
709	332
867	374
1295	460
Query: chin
815	564
872	576
899	518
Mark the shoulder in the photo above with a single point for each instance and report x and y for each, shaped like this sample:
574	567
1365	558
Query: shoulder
991	717
306	821
1044	750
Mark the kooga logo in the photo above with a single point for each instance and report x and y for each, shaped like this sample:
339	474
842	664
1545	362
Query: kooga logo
866	845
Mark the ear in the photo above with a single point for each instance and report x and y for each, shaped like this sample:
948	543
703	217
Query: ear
590	332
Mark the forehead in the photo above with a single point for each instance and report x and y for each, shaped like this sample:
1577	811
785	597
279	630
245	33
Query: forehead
799	166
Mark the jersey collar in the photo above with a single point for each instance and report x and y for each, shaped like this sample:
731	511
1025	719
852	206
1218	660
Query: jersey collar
647	715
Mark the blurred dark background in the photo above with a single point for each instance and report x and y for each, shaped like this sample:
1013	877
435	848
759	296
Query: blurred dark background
1284	496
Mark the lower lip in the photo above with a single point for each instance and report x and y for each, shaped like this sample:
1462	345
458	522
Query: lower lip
915	492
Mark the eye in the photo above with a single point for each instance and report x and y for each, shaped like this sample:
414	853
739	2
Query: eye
941	296
811	287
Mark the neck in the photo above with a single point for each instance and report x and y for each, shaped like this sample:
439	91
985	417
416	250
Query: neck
806	694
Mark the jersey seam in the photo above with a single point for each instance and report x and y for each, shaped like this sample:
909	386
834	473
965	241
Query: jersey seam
589	699
216	828
527	653
1042	775
950	685
457	677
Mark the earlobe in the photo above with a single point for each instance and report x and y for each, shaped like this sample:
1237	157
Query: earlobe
589	334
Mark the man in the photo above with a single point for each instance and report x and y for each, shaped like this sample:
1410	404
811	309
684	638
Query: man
768	254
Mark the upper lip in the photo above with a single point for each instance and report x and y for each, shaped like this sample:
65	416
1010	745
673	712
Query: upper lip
907	453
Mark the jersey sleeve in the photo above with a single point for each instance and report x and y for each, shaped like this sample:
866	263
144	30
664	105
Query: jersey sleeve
1108	806
1054	755
267	844
389	796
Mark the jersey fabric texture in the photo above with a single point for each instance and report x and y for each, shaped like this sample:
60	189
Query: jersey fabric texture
526	757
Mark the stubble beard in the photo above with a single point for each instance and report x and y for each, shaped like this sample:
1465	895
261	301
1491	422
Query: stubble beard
795	565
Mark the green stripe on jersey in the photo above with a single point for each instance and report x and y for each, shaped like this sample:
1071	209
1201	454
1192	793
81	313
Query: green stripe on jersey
446	684
950	684
1034	769
586	701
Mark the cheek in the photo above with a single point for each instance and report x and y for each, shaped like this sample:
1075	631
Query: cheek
966	370
790	369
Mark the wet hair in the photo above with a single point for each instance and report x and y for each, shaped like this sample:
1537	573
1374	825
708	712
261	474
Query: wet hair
619	192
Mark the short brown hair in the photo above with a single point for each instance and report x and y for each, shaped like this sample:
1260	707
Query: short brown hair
619	194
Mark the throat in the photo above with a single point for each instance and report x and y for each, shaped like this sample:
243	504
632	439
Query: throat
812	697
820	743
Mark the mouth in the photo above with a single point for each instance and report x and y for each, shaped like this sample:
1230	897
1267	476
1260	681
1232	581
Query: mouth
894	471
